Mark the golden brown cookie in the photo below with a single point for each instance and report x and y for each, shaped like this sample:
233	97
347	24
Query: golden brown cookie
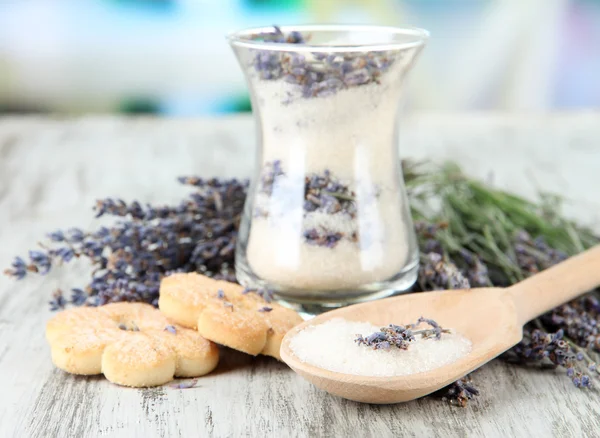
132	344
222	313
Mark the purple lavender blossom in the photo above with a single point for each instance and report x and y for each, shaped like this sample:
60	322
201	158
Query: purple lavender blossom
185	384
319	74
146	243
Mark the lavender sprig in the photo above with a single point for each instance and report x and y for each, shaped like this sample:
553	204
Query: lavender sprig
551	348
458	393
401	336
147	243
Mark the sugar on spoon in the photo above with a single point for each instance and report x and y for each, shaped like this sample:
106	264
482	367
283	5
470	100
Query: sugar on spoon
491	318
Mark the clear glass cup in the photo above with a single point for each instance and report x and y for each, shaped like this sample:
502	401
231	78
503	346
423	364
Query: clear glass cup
327	221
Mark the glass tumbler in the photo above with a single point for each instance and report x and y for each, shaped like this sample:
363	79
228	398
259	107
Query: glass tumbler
326	221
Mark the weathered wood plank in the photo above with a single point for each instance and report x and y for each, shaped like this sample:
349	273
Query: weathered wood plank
51	171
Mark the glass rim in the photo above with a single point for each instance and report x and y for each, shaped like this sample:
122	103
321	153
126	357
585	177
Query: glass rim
242	38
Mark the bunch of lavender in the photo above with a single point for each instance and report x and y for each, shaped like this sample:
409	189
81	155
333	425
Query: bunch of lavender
552	350
132	256
401	336
579	320
472	235
317	74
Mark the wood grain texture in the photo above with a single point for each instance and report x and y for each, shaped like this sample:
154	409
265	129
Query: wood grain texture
52	170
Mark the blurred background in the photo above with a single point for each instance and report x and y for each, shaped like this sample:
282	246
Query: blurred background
170	57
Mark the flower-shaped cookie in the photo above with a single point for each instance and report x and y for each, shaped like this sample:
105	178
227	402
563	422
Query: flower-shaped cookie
221	312
132	344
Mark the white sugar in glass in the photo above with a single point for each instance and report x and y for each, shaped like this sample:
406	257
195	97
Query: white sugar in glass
327	221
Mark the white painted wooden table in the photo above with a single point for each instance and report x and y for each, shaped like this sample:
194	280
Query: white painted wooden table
52	170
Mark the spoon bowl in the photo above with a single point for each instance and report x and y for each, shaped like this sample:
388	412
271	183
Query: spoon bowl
491	318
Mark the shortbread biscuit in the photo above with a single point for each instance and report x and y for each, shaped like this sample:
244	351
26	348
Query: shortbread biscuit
132	344
221	312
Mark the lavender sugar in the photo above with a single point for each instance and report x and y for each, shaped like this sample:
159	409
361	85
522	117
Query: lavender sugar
329	214
342	354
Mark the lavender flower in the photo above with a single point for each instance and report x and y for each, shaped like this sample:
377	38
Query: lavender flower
57	236
439	274
171	329
265	294
78	297
401	336
579	321
319	74
58	302
265	309
540	347
185	384
458	393
147	243
326	238
40	262
18	269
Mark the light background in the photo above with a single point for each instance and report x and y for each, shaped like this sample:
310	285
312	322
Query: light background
170	57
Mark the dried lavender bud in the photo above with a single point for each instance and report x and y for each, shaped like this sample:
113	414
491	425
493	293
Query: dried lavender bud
185	385
57	236
269	174
549	348
579	320
534	255
18	269
221	296
586	382
436	327
326	238
458	393
476	271
41	262
265	294
438	274
265	309
171	329
78	297
58	302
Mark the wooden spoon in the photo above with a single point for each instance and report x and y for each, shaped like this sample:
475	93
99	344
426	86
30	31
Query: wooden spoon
491	318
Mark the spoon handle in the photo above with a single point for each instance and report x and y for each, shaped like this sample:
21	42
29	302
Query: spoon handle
557	285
